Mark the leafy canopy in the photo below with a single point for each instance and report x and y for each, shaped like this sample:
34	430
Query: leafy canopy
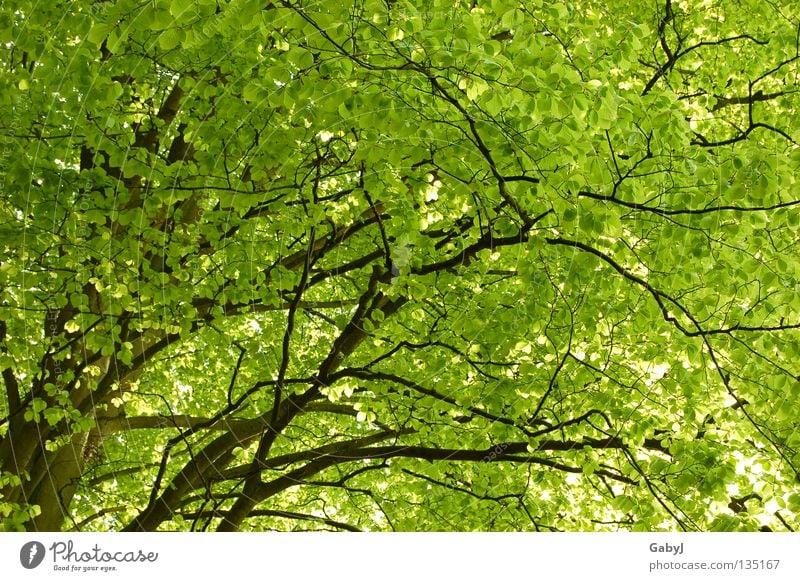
399	265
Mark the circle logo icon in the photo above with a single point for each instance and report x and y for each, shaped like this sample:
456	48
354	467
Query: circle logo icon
31	554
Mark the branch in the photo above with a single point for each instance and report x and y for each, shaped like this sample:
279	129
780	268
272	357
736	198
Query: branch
719	42
10	380
746	100
149	139
460	489
672	58
332	449
275	513
509	454
287	336
99	514
111	425
484	150
485	242
658	295
690	211
381	376
354	333
297	477
744	134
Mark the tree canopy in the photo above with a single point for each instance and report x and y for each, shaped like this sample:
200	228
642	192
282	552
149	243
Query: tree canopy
399	265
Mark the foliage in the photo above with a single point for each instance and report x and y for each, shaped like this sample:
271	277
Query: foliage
399	265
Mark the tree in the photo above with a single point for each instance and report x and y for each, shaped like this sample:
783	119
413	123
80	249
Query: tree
399	265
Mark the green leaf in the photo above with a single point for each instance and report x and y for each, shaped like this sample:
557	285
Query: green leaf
170	38
98	33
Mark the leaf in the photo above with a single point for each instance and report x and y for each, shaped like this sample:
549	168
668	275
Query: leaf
161	19
177	8
98	33
170	38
